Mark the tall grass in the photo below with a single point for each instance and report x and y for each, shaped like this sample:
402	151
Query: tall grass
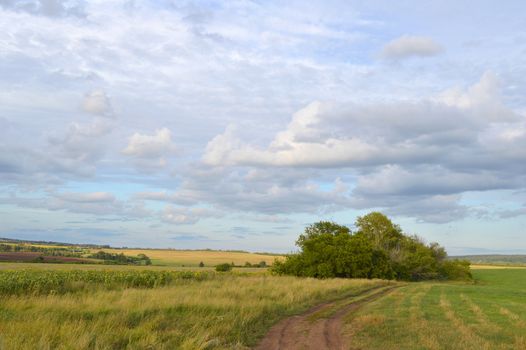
221	311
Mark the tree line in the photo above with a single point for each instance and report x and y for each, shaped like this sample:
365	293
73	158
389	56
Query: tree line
378	248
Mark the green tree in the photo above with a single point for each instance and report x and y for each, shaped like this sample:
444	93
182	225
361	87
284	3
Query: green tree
378	249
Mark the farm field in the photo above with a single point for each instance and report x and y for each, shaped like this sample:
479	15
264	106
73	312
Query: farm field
171	257
59	253
489	314
61	266
64	306
120	309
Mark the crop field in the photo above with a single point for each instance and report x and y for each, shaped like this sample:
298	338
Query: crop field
137	309
488	314
194	257
48	253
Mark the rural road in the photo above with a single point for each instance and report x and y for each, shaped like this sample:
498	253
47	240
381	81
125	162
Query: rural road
319	328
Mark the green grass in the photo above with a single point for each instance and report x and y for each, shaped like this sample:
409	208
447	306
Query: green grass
221	311
487	314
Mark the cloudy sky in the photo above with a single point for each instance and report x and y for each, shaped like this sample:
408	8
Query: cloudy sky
209	124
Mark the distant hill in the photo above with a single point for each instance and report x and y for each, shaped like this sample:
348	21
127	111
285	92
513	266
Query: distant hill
52	243
496	259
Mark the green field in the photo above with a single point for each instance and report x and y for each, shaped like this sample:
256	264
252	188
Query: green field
65	306
488	314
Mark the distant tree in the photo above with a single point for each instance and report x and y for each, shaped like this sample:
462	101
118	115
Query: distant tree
262	263
201	264
247	264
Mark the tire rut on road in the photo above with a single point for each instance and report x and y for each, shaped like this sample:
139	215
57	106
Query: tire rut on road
301	332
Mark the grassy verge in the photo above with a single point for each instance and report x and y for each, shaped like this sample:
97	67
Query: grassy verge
488	314
226	311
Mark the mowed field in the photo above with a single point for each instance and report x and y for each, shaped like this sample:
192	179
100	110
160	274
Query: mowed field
489	314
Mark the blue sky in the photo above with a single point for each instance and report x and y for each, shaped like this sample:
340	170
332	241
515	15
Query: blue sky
208	124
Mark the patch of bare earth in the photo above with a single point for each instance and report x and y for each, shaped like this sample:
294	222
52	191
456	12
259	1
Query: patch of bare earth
319	328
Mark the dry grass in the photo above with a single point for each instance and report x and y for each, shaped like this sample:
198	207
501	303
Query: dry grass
194	257
494	267
228	312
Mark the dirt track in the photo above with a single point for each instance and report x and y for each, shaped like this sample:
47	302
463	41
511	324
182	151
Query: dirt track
319	328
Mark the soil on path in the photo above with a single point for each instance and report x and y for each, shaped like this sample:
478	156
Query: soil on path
319	328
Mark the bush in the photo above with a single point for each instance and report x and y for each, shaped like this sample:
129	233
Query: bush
456	270
223	267
378	249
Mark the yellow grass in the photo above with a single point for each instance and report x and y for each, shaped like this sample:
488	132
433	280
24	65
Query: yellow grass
194	257
495	267
227	312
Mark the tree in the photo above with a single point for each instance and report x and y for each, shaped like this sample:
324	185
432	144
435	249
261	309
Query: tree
201	264
328	250
378	249
381	231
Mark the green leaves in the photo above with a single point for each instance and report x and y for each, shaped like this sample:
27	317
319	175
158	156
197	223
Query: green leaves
379	249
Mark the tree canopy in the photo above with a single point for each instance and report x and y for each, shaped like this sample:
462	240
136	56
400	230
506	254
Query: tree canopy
377	249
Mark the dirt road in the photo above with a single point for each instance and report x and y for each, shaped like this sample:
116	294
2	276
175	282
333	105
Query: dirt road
319	328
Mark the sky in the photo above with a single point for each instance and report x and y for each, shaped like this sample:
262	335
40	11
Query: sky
234	124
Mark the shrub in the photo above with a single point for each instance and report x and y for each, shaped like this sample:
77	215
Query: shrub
223	267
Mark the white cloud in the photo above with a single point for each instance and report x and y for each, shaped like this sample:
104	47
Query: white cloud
90	197
411	46
401	152
151	150
96	102
84	143
354	135
186	216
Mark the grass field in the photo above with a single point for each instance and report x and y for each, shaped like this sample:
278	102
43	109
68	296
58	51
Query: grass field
58	306
221	311
489	314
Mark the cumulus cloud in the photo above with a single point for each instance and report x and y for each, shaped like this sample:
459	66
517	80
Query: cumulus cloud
406	152
410	46
186	216
97	203
90	197
82	142
151	149
51	8
229	189
150	146
353	135
96	102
